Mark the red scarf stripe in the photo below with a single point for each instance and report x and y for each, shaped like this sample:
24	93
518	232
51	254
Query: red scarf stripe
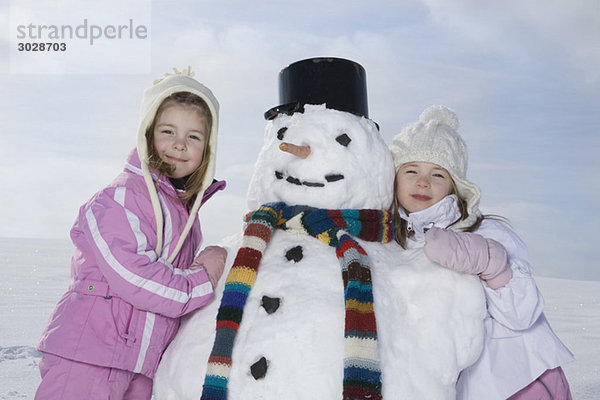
258	230
220	360
248	258
358	392
369	232
227	324
338	218
362	322
348	244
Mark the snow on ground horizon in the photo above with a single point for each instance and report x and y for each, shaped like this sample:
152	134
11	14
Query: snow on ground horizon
36	273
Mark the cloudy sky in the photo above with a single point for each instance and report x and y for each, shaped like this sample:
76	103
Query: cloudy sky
523	77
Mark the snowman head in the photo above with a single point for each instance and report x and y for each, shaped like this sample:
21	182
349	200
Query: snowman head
320	148
323	158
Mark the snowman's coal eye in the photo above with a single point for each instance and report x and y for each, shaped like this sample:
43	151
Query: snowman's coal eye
281	133
343	139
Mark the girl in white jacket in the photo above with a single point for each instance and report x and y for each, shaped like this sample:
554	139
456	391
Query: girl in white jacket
436	208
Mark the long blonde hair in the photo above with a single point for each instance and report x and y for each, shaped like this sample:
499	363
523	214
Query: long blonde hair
193	185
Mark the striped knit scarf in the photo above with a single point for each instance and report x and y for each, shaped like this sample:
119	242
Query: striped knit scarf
362	375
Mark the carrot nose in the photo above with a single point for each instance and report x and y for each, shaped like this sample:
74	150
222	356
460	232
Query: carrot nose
298	151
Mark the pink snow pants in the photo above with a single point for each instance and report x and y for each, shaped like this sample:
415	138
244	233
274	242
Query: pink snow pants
551	385
64	379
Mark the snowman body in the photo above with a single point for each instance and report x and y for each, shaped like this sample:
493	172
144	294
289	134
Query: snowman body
290	344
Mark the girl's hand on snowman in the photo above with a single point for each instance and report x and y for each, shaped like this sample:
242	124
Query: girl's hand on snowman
469	253
212	259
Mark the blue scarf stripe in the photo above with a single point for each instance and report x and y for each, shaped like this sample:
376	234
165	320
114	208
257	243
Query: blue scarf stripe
354	226
221	345
216	381
361	334
233	298
354	373
356	291
351	214
288	212
317	222
237	287
211	392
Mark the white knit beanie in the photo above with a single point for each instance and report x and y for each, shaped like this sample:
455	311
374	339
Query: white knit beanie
434	138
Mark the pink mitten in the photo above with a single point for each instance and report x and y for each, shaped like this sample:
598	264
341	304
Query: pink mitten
212	259
469	253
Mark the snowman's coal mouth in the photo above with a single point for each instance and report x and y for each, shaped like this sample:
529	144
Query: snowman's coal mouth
296	181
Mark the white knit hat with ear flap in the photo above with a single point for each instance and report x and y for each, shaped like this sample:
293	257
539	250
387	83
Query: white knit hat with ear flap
153	97
434	138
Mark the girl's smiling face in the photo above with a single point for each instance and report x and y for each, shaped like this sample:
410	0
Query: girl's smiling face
419	185
180	136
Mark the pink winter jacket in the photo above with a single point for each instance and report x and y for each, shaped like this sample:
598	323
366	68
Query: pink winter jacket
123	305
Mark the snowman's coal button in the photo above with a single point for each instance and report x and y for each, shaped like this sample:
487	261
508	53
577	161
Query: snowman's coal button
270	304
278	175
294	254
259	368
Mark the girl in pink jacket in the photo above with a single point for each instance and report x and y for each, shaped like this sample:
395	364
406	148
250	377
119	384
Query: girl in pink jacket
437	208
137	267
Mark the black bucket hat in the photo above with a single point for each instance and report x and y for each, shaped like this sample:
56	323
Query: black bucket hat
338	83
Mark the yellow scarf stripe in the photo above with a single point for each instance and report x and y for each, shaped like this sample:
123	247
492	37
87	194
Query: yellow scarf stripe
241	274
353	304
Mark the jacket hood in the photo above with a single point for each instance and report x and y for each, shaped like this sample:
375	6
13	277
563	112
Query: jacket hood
151	100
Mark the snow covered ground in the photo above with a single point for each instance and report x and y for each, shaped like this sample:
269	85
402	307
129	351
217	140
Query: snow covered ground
36	272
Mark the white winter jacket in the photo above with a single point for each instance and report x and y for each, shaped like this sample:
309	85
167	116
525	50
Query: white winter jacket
519	342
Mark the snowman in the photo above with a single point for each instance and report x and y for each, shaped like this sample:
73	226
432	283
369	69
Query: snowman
319	301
